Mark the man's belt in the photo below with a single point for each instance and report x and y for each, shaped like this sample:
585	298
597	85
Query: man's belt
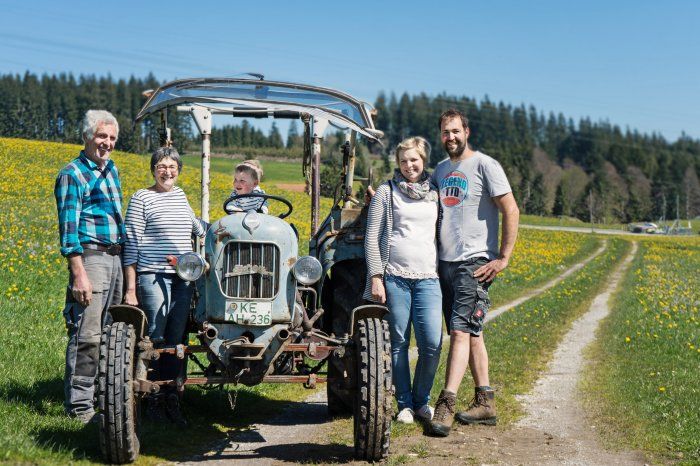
113	249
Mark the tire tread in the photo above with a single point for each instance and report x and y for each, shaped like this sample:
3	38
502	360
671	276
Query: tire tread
373	409
117	402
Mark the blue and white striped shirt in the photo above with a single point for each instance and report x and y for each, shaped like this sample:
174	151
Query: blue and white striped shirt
249	203
89	204
158	224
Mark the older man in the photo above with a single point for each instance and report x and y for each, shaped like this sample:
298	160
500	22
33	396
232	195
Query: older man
473	189
91	227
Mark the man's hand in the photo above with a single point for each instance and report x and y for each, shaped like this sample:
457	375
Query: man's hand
487	272
378	291
82	289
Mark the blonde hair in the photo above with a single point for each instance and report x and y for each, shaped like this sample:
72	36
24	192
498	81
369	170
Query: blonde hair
416	142
251	167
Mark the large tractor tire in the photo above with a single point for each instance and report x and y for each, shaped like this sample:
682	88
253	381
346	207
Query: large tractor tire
373	397
341	295
118	404
340	399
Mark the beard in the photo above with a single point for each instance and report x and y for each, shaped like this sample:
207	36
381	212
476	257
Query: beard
457	151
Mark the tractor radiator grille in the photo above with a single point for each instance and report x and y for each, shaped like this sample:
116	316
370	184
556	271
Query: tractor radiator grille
251	270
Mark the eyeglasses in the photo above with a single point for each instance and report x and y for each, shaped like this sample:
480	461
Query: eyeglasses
162	168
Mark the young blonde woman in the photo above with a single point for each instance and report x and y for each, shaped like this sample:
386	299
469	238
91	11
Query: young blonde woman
401	253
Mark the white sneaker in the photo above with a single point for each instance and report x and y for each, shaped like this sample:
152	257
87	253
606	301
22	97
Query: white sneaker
405	416
425	413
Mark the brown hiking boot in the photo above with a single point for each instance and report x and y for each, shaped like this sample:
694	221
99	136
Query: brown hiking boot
482	409
444	414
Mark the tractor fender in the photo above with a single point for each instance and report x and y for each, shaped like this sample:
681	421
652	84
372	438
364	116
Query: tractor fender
368	310
130	315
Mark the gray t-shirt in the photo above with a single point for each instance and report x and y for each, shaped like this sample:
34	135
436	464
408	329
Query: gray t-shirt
469	226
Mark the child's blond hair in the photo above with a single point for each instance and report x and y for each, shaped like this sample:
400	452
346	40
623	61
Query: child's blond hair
251	167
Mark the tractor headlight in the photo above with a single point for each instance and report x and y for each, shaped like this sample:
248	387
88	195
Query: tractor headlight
307	270
190	266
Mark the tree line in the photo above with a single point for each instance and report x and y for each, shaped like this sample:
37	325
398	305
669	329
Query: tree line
590	170
586	169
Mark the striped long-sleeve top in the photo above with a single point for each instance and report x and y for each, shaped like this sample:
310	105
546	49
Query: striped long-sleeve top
249	203
380	223
158	224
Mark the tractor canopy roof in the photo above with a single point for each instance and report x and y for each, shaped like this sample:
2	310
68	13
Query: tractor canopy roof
257	98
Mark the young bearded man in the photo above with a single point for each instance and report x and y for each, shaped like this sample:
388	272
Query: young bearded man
473	190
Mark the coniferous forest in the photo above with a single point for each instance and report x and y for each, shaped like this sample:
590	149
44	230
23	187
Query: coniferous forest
556	166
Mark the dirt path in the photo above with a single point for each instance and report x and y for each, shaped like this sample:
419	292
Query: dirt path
555	430
601	231
493	313
293	187
552	433
553	407
287	438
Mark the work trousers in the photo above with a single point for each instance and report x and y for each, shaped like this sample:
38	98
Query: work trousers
84	325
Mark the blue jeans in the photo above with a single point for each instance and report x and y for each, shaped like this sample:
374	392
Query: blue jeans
417	301
165	298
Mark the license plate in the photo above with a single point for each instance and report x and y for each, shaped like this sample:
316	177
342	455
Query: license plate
250	312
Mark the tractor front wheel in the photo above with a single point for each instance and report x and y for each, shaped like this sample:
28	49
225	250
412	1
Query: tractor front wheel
117	401
373	397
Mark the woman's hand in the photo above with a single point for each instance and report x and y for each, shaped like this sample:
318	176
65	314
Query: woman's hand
130	298
378	291
130	280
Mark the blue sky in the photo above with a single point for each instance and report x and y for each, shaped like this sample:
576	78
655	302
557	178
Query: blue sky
635	64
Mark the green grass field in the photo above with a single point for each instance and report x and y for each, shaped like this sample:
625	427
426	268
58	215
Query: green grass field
521	341
33	276
274	171
643	382
33	428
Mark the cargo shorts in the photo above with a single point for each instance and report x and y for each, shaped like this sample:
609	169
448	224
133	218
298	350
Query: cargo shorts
465	300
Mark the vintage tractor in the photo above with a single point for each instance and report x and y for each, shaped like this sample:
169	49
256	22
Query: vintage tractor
261	313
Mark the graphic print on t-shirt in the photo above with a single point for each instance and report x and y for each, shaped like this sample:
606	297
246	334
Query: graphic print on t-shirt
453	188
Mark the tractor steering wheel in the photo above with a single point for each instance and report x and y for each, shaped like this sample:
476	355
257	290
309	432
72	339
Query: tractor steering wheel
230	209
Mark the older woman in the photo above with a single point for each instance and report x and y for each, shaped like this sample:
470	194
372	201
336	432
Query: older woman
159	223
401	254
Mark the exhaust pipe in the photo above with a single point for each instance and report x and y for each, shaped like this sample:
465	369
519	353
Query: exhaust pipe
283	335
210	332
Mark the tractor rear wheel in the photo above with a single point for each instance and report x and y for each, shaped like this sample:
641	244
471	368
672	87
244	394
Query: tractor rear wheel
341	295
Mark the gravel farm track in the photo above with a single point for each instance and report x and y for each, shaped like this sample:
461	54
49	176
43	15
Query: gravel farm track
554	431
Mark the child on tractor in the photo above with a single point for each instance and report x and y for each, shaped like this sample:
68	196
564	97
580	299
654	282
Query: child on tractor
246	180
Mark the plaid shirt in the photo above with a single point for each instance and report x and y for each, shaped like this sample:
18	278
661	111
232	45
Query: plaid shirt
89	203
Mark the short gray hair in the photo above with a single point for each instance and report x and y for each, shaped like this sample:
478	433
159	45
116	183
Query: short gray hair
92	120
165	153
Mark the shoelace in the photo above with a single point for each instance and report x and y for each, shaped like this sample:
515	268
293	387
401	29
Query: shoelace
442	407
478	400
